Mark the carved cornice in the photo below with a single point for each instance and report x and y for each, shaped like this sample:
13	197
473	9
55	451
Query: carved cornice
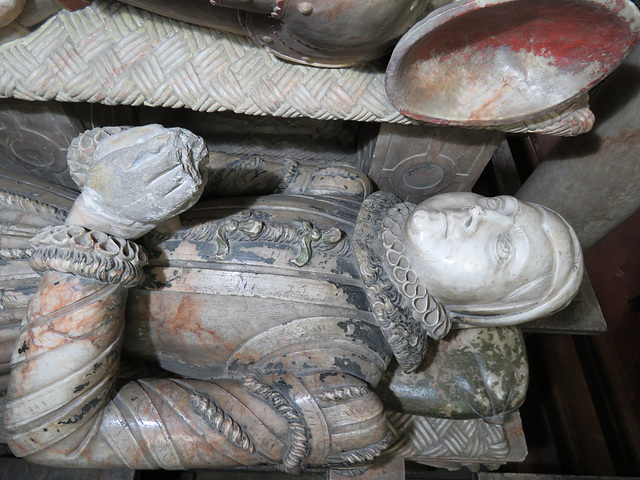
90	254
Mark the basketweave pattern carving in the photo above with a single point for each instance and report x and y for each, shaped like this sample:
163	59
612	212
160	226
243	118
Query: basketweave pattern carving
446	438
116	54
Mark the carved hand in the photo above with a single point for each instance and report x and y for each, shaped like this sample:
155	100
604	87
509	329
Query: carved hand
134	179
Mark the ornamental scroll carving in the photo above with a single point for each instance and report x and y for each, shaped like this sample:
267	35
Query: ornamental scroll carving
247	226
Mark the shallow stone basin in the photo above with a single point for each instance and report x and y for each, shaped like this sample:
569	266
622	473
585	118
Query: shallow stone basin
494	62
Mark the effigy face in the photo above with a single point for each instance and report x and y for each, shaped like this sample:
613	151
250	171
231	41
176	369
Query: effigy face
464	258
473	250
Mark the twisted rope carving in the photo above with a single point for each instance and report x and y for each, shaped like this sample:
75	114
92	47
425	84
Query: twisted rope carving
221	421
361	456
29	205
293	460
344	393
115	54
16	253
18	231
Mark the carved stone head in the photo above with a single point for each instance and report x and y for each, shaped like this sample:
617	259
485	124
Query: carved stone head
493	261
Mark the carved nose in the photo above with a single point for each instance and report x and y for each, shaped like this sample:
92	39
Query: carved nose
474	214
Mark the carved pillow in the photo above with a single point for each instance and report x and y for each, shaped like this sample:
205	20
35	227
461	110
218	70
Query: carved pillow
471	373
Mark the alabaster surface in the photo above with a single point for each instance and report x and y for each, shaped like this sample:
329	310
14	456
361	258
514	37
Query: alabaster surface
280	313
175	64
134	179
499	255
9	11
471	373
157	61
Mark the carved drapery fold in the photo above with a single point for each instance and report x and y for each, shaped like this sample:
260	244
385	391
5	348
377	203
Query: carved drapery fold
45	404
66	417
298	451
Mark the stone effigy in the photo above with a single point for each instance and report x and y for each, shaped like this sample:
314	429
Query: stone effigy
511	65
9	11
309	322
280	313
316	33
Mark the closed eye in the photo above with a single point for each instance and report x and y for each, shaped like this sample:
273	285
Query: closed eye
495	204
503	204
504	249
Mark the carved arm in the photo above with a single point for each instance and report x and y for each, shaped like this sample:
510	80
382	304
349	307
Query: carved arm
67	355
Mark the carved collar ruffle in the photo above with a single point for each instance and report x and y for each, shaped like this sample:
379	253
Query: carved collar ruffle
405	311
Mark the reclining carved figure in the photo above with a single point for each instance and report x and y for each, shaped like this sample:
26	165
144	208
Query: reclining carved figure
279	312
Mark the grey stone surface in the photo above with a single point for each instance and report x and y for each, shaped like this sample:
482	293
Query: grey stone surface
582	316
594	181
416	162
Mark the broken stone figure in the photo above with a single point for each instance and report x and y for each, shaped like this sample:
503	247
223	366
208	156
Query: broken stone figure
278	314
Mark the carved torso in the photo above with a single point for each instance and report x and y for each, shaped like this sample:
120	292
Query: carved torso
269	282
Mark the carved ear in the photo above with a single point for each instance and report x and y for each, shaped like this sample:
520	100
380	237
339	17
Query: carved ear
80	152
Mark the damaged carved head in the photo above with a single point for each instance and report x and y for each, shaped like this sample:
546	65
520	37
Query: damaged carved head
493	261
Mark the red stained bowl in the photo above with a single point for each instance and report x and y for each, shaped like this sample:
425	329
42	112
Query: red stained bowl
495	62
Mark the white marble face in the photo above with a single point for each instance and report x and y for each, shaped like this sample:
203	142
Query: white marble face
469	249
